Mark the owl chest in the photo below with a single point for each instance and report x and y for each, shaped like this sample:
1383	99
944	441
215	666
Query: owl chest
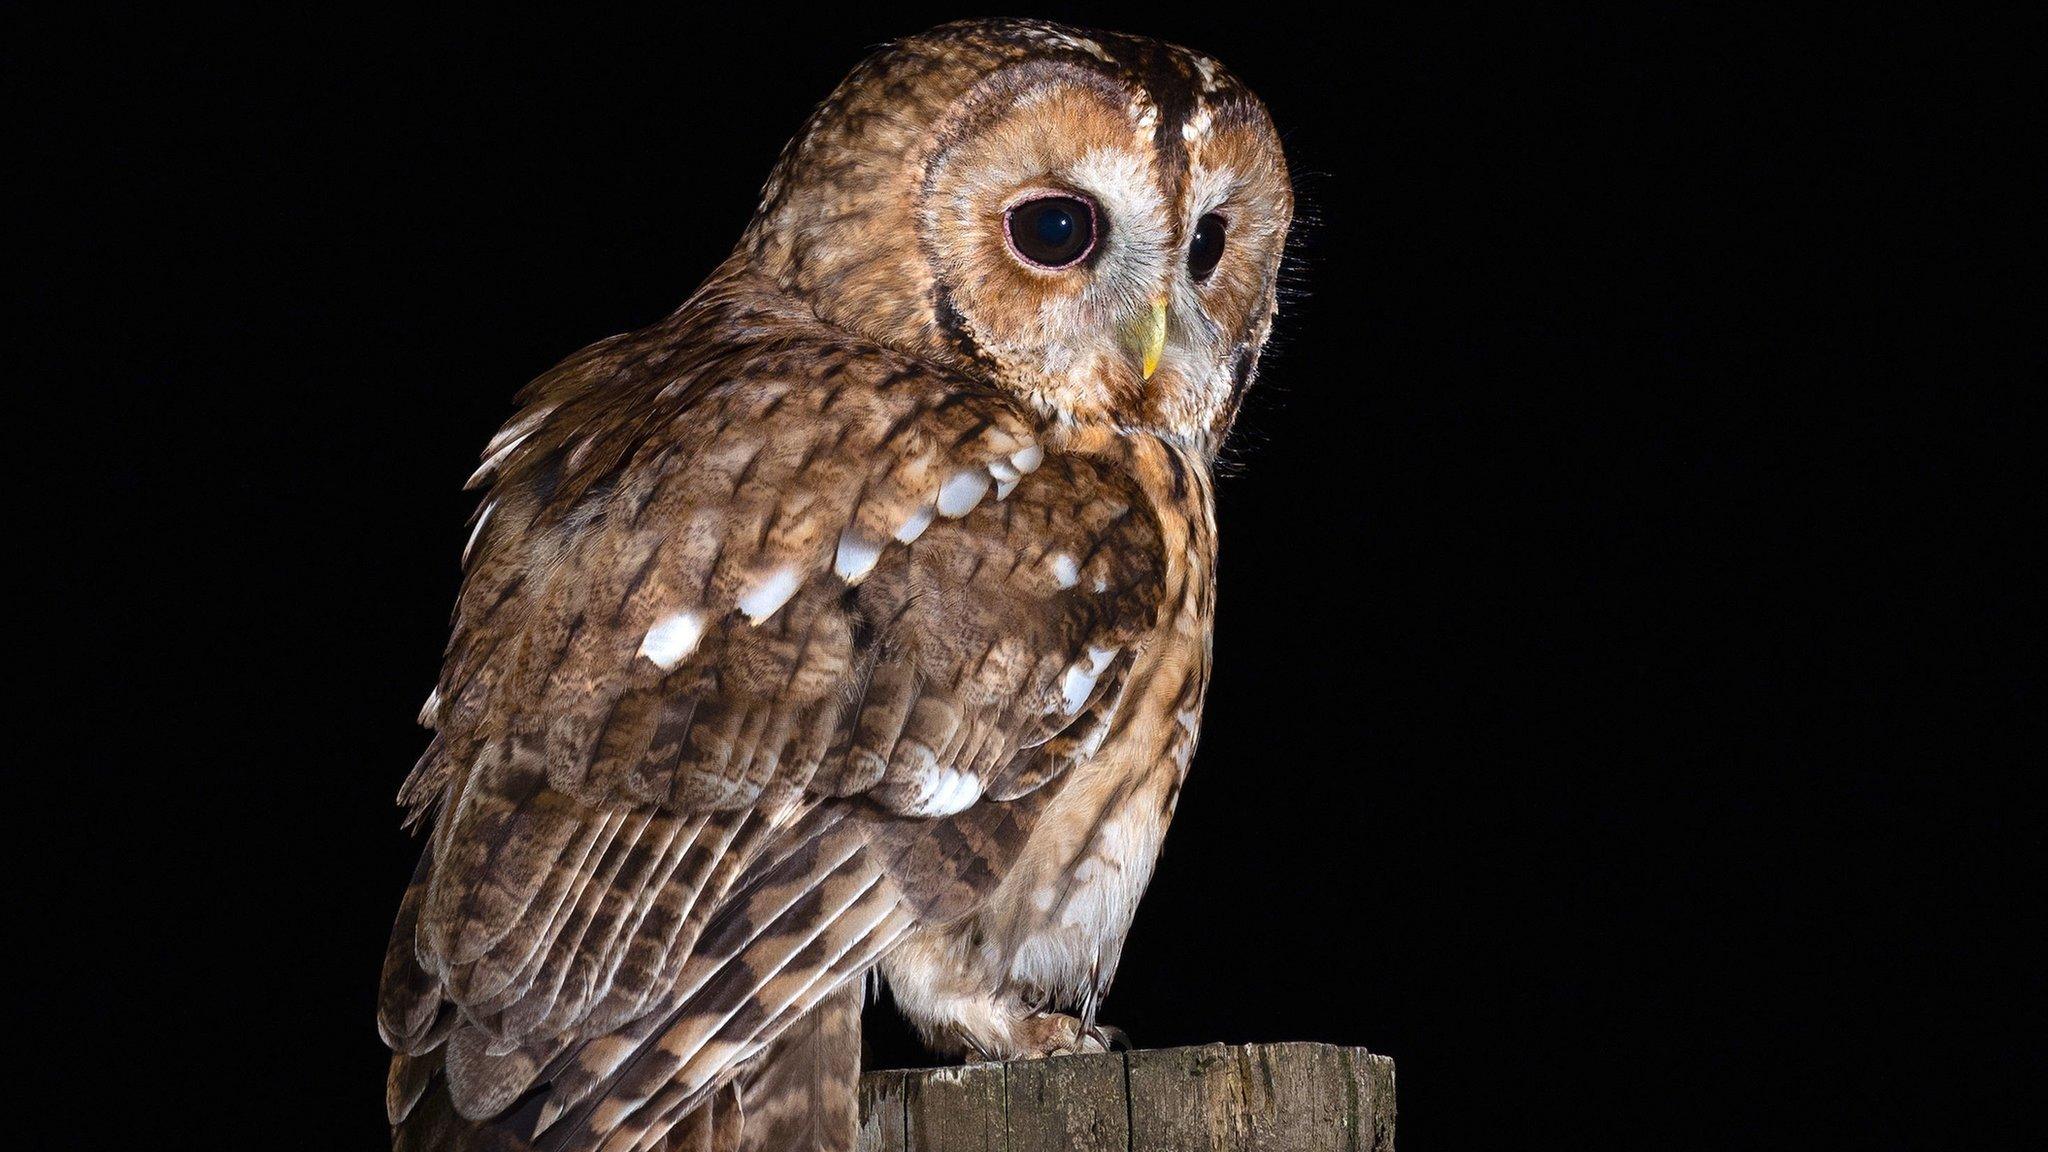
1055	927
1086	877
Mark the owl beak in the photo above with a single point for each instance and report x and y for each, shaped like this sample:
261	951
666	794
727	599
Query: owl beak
1154	341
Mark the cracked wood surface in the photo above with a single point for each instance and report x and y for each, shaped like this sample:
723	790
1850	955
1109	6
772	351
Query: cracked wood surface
1254	1098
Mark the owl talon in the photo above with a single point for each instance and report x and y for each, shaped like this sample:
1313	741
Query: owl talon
1111	1037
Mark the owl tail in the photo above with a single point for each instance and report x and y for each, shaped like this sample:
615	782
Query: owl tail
435	1127
801	1095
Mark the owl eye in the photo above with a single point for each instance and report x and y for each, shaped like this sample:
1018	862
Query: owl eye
1207	246
1052	231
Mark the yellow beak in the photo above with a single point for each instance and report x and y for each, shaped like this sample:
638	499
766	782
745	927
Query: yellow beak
1154	341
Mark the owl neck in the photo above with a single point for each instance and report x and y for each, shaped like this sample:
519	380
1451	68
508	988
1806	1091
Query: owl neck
1072	418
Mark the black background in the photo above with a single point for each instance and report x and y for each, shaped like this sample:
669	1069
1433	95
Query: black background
1610	696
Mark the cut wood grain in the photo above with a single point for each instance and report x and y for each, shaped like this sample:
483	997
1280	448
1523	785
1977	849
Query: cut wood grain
1255	1098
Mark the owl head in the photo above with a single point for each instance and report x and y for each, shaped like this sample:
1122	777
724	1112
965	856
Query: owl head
1091	222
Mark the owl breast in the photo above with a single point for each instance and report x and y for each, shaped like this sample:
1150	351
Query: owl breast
1056	927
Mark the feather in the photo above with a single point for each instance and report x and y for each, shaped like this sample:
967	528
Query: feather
802	1091
699	763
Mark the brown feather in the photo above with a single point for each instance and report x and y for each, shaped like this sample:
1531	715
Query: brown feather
801	1091
824	615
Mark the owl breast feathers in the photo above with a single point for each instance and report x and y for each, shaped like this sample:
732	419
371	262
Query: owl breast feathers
854	616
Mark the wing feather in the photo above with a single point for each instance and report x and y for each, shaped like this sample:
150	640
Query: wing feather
747	678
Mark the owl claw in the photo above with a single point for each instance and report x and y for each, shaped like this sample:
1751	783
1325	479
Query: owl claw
1111	1037
1058	1034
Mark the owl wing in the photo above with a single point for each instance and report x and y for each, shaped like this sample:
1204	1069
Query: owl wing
753	670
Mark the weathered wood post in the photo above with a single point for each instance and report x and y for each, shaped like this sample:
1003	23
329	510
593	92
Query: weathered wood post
1257	1098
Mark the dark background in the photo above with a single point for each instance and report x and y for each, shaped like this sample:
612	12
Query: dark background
1635	441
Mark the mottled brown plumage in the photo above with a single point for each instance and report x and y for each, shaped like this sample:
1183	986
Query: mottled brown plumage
854	617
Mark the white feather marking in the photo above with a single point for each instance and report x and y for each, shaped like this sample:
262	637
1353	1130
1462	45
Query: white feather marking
915	526
1099	658
508	438
952	793
1075	687
1093	744
1080	679
770	593
1144	117
1059	39
1065	570
935	785
482	519
856	556
518	430
672	639
497	457
969	791
961	492
428	709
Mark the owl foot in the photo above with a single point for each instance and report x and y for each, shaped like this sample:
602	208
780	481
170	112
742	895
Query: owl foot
1058	1034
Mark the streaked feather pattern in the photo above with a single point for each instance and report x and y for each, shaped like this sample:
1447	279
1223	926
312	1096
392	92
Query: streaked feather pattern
854	618
638	876
801	1091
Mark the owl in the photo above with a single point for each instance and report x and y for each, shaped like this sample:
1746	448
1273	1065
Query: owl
853	621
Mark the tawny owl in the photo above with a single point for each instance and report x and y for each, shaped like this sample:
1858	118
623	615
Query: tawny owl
855	618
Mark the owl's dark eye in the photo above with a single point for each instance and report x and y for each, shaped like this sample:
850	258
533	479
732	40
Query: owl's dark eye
1052	231
1207	246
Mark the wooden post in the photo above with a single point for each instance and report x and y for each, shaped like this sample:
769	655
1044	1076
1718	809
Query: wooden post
1257	1098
